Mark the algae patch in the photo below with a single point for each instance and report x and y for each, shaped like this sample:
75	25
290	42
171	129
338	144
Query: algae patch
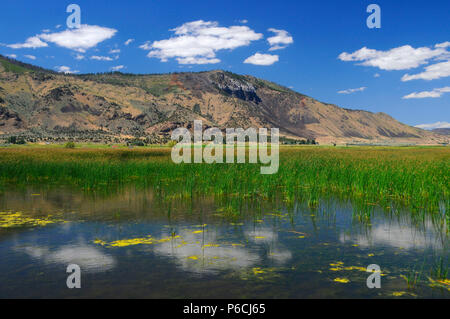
342	280
18	219
149	240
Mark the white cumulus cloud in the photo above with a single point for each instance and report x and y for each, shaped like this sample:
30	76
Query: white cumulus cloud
101	58
80	39
65	69
350	91
433	126
30	43
129	41
428	94
262	59
117	68
445	44
29	56
432	72
281	39
198	42
400	58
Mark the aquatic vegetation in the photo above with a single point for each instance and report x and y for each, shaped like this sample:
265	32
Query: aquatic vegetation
386	177
149	240
342	280
412	278
440	283
258	271
132	242
439	275
399	293
403	293
440	270
261	274
193	257
18	219
339	266
300	217
100	242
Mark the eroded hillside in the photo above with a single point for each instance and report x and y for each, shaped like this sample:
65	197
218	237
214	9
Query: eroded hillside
44	105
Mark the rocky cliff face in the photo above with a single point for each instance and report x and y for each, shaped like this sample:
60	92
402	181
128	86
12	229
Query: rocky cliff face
43	105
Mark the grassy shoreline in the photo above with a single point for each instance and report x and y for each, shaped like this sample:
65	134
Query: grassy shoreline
413	177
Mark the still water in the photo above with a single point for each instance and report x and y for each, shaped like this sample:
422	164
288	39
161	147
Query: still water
129	243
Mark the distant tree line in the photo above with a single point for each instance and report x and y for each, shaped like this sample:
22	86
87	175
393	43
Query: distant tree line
16	140
289	141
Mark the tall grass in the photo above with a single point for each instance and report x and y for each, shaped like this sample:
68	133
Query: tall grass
415	177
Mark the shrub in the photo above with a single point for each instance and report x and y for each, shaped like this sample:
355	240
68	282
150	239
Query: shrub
15	140
136	142
69	145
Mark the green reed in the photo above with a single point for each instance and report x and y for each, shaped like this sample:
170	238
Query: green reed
414	177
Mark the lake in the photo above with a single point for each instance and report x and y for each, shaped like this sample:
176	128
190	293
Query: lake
130	243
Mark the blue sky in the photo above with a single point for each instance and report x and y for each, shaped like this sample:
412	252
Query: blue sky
321	48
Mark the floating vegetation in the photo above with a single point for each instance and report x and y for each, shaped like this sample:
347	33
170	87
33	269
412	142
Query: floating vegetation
403	293
193	257
440	283
149	240
132	242
339	266
262	274
342	280
18	219
100	242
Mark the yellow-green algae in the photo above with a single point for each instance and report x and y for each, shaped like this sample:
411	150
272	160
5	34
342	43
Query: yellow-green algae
342	280
339	266
440	283
264	274
18	219
149	240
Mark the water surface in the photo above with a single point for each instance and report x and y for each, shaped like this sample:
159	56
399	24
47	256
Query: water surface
130	243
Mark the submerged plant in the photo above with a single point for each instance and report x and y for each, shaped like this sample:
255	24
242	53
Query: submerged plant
413	277
440	270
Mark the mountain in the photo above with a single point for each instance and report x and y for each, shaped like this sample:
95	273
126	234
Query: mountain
47	106
442	131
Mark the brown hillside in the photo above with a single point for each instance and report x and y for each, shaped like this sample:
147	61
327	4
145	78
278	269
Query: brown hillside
43	105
